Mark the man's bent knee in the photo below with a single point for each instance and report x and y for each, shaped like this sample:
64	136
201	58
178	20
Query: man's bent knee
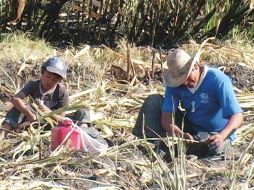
149	118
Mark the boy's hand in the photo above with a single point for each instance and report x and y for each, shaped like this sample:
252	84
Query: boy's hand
31	117
42	106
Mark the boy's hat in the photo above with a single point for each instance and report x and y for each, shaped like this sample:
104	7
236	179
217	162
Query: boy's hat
179	66
56	65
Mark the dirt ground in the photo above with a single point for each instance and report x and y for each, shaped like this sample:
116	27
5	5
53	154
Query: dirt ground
209	173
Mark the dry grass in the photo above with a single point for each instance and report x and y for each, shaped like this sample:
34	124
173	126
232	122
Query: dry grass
228	53
26	161
19	47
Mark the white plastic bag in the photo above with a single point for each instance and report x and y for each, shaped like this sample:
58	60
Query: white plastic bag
91	144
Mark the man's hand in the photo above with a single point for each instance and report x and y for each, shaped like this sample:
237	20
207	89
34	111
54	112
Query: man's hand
216	141
188	137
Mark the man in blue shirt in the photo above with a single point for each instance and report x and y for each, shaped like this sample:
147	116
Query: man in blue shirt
205	94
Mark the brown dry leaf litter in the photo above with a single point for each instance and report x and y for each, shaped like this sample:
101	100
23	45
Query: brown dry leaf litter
97	80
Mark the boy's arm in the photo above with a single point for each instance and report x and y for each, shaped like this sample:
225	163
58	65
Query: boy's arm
20	105
45	109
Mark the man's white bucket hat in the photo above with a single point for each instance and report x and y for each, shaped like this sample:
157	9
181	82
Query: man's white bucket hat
179	66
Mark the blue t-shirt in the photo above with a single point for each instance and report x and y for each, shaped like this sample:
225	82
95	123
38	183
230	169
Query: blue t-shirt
210	106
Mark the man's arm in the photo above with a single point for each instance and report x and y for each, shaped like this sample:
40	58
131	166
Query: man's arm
230	107
234	123
171	128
